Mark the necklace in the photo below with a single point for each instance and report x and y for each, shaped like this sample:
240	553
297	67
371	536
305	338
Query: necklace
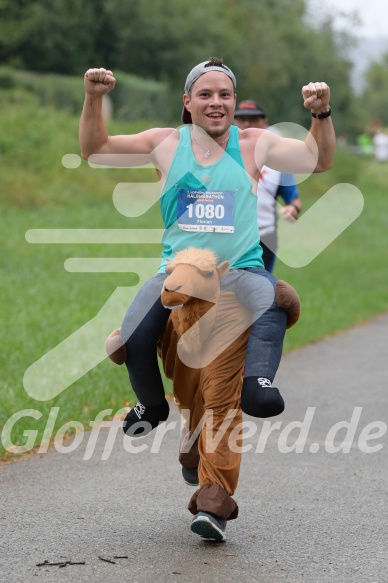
208	150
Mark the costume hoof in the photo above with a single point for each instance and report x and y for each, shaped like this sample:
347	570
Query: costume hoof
260	401
141	420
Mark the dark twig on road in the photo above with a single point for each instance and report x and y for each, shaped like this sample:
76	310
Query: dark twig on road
106	560
60	565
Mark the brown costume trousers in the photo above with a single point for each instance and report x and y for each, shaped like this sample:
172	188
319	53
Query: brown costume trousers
208	397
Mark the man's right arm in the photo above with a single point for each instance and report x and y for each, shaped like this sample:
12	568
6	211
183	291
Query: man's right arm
93	134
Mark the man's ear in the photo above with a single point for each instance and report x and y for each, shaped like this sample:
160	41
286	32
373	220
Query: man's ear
223	269
186	101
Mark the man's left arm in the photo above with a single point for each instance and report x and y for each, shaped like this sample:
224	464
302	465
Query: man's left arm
316	98
316	153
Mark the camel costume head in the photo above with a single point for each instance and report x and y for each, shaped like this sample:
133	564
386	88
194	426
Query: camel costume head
193	283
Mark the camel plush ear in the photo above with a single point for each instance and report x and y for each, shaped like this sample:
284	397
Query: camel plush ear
223	269
168	267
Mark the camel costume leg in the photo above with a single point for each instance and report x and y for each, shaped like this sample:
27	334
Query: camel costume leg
209	398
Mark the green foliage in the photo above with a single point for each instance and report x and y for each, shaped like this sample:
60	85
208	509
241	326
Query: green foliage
55	35
271	45
62	92
346	284
375	95
288	53
183	34
134	99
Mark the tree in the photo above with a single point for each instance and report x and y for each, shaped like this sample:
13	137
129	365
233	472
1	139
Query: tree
61	36
271	45
375	95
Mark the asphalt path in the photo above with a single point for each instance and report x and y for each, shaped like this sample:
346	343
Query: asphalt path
313	490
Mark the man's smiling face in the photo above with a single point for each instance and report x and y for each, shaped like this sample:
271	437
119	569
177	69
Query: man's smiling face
211	102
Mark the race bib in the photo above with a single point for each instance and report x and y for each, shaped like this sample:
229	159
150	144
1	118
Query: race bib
209	211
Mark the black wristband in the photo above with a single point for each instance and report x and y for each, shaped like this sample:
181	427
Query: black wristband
322	115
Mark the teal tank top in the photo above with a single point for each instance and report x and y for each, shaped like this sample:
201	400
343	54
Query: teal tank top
210	207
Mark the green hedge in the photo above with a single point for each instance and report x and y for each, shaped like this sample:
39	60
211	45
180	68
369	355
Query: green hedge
133	99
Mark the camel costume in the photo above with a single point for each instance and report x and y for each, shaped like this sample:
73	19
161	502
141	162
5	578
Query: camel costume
203	351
